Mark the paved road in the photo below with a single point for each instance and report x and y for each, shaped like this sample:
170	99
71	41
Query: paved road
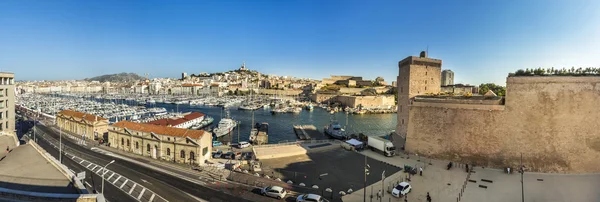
167	186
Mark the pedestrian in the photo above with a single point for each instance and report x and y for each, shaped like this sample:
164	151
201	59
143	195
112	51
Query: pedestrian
379	195
428	197
508	170
421	171
7	148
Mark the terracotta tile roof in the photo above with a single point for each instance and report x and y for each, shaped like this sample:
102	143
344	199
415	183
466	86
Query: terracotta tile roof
174	122
162	130
81	115
190	84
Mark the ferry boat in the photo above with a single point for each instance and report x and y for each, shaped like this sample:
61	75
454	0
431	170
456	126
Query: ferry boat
158	111
225	126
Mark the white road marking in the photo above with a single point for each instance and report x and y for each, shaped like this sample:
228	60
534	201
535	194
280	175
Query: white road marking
82	161
126	180
95	166
131	190
140	196
117	179
88	184
110	176
88	166
152	197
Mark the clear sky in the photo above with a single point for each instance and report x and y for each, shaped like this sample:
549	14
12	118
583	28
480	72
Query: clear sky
480	40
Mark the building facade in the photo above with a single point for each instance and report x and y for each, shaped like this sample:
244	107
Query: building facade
416	76
161	142
86	125
7	102
447	77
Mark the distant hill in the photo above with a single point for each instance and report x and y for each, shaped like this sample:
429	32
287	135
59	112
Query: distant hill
121	77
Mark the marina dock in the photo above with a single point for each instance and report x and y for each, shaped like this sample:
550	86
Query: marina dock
308	132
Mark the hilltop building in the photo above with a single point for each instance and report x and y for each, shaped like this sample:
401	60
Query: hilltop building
161	142
549	121
86	125
447	77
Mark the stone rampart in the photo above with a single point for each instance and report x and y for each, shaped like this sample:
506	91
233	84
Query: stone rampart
552	121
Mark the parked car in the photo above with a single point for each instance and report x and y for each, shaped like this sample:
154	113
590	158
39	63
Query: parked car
217	154
274	191
401	189
217	143
311	198
244	144
228	155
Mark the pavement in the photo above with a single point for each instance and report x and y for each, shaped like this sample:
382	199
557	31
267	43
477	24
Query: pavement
25	169
6	141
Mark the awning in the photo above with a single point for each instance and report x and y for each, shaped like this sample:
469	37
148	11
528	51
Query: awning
354	142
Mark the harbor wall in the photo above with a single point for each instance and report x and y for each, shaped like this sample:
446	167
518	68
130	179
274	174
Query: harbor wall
551	121
279	92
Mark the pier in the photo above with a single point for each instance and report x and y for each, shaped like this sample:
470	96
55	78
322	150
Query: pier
308	132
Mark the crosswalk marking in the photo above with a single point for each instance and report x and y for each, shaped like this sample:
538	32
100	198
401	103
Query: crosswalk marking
131	190
110	176
88	166
126	180
117	179
95	166
151	198
140	196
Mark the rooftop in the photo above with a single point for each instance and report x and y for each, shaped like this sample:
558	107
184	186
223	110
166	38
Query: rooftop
81	115
174	122
25	169
162	130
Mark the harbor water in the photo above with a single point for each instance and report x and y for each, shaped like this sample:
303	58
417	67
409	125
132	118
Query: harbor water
281	124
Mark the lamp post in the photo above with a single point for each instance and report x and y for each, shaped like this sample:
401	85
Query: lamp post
104	172
365	185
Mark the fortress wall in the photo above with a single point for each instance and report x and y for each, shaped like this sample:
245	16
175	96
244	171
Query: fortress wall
552	121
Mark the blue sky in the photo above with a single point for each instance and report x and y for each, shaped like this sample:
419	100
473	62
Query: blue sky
481	41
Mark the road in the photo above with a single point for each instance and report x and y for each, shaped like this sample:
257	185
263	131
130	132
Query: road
167	186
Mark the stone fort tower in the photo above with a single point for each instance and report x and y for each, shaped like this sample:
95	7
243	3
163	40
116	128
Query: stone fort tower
416	76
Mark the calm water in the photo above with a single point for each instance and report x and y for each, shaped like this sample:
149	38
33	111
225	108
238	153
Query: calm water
280	125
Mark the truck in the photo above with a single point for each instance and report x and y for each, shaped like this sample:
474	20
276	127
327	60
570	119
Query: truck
381	144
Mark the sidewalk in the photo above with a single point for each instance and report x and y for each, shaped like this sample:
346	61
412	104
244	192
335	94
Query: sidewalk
442	184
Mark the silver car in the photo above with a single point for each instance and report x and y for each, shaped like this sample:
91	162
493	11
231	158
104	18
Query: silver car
274	191
310	198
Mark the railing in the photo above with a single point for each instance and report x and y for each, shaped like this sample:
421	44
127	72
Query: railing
283	143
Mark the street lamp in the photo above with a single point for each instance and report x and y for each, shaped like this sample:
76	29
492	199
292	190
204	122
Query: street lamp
103	173
366	173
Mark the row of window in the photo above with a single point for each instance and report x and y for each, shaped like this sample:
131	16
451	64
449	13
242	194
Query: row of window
182	153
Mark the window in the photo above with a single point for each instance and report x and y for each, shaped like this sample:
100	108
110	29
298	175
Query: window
136	145
425	88
425	72
168	139
1	128
148	147
402	121
204	151
7	124
128	143
182	154
168	151
192	156
122	141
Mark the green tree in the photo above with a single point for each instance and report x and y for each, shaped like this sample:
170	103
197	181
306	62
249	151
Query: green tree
499	90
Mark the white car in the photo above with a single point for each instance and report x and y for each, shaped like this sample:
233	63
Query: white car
310	198
401	189
243	144
274	191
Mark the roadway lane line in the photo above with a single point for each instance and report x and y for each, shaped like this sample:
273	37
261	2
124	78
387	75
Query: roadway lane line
140	196
117	179
152	197
110	176
126	180
131	190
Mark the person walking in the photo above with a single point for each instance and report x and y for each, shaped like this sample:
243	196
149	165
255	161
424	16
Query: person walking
7	149
379	195
421	171
428	197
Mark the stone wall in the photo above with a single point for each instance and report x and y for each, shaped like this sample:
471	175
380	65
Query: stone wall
551	121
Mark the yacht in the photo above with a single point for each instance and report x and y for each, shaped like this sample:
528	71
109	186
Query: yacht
225	126
336	131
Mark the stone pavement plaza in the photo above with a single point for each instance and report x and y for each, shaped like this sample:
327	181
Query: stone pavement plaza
446	185
25	169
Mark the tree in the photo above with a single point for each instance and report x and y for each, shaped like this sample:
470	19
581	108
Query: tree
499	90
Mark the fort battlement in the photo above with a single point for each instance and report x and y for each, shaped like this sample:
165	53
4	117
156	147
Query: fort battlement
550	120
